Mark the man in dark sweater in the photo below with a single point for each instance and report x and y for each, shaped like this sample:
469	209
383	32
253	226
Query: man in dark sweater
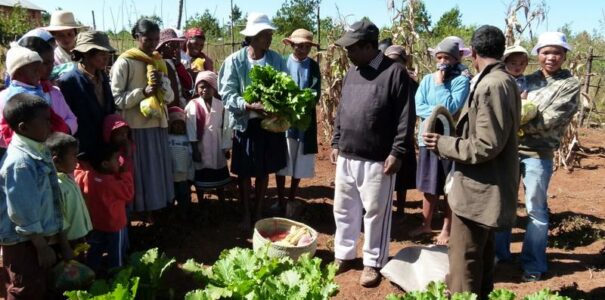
371	135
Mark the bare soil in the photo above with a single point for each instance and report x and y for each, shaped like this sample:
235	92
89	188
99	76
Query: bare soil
578	272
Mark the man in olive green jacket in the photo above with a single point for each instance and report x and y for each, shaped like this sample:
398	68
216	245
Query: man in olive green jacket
484	181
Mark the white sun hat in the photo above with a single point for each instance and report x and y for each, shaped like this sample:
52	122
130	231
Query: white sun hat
551	39
256	23
63	20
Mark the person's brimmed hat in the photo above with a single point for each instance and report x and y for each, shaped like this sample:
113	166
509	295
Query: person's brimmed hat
551	39
88	40
17	57
447	46
256	23
396	50
300	36
363	30
166	36
465	51
513	49
63	20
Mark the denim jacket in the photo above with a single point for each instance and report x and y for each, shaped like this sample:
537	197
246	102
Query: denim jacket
30	192
233	79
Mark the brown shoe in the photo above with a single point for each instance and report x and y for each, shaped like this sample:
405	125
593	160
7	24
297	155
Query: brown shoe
343	265
370	277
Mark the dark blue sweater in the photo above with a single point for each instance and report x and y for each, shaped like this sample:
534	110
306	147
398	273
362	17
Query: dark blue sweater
80	95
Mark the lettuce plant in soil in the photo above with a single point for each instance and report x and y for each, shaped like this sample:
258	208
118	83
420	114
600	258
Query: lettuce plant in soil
243	274
437	291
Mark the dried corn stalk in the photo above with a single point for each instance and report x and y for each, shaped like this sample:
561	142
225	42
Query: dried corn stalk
533	15
334	64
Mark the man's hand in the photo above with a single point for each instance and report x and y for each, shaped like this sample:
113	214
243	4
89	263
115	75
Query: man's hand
391	165
430	140
334	156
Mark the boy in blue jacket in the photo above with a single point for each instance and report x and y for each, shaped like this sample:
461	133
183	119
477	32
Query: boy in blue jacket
31	220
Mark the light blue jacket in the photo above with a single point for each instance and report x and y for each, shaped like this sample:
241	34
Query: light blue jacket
233	79
452	94
30	193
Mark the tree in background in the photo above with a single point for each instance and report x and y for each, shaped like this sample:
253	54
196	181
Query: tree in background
207	22
296	14
14	25
450	24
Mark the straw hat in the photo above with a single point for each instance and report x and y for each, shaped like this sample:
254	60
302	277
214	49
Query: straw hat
256	23
88	40
300	36
63	20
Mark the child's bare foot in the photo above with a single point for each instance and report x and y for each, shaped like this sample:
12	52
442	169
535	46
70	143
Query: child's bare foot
420	231
443	238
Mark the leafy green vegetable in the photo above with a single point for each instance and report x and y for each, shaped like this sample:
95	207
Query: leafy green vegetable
546	294
145	269
124	286
436	291
150	267
501	294
280	95
244	274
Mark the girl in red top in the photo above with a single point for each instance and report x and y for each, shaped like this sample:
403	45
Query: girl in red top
107	190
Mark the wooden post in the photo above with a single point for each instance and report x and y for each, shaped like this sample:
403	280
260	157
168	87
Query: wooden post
232	27
94	23
178	22
318	29
586	84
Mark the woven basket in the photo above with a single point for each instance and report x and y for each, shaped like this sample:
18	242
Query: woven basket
271	225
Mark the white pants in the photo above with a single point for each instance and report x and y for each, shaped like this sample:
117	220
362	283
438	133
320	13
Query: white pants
362	185
299	165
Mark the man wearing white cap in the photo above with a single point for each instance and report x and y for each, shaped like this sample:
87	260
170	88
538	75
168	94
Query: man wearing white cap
555	92
256	151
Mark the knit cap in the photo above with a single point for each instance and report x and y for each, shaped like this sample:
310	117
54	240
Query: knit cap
18	56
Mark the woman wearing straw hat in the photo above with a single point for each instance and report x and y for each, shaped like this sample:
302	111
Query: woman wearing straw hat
447	86
86	88
64	28
256	151
302	145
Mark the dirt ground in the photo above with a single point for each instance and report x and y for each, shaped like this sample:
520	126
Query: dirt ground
579	273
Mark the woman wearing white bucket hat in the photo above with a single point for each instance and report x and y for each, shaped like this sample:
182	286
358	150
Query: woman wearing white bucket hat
256	151
64	28
555	92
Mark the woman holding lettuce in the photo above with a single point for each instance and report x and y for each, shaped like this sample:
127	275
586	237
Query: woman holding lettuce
256	151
